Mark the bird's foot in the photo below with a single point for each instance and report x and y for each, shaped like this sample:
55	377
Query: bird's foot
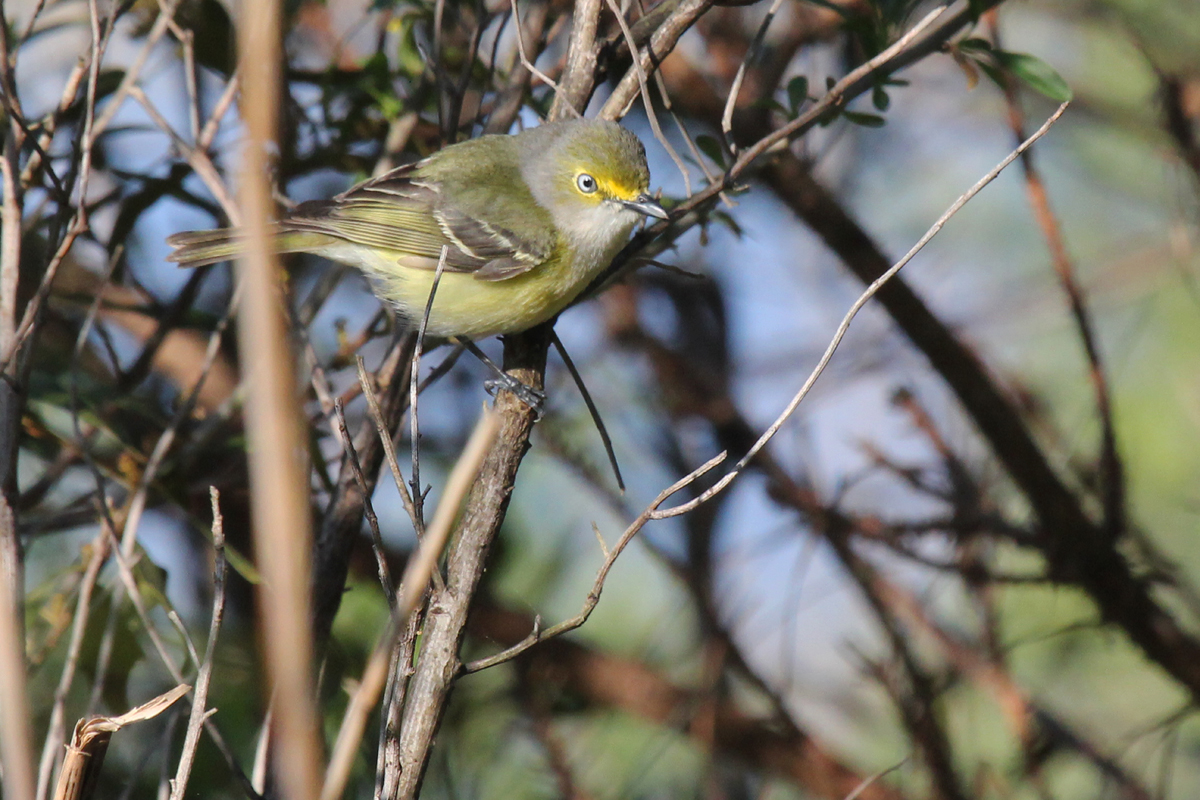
534	398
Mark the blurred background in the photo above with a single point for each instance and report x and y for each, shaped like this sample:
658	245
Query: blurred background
887	587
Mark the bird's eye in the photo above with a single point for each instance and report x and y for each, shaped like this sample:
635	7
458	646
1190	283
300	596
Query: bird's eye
586	183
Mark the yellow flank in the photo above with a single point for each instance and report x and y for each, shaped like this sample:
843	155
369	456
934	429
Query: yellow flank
469	307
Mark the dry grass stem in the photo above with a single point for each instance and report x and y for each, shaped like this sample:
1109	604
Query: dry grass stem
278	469
85	755
52	747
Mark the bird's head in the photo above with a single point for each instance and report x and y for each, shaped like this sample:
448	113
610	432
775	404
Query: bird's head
591	175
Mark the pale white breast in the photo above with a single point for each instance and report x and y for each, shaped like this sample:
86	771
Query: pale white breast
597	235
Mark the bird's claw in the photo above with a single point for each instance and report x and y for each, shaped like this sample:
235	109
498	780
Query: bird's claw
534	398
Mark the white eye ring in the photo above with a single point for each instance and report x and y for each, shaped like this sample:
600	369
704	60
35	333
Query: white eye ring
586	183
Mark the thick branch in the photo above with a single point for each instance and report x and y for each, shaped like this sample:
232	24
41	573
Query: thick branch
429	688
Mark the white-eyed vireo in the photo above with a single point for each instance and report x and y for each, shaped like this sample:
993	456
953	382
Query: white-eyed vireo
528	221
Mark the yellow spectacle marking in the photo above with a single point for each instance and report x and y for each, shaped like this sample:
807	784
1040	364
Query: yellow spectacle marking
620	191
611	188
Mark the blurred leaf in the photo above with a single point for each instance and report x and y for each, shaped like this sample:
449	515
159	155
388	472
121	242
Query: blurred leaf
214	40
880	99
126	650
831	114
711	148
975	45
726	219
969	67
797	92
408	53
1036	74
771	104
977	8
996	76
865	120
151	582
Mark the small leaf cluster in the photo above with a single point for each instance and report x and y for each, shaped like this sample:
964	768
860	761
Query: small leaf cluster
975	55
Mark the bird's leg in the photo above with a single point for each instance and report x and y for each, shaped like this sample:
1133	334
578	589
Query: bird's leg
501	380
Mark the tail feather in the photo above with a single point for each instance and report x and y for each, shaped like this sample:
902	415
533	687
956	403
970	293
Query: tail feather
201	248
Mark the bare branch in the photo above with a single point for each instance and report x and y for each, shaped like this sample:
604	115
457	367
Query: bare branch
200	696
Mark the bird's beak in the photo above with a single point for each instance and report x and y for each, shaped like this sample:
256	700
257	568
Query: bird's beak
645	204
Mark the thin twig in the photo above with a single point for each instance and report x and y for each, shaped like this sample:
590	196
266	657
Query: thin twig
276	432
610	558
200	696
385	576
591	407
643	86
654	512
414	383
389	449
862	300
871	779
134	72
1112	480
525	62
736	89
661	43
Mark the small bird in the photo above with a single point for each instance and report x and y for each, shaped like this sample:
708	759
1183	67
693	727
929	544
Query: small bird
526	221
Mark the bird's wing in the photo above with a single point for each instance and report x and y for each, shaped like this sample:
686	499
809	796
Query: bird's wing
403	214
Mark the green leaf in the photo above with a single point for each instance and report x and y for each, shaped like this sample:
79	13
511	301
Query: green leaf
1037	74
879	97
996	75
711	148
866	120
728	221
829	115
797	92
975	44
771	104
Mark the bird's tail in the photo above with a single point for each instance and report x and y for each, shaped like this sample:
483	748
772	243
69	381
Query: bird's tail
201	248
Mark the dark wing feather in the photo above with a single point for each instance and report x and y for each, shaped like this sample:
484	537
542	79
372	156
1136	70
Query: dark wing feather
398	212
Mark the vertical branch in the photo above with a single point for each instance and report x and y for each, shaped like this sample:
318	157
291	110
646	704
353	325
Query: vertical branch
16	755
278	479
11	400
438	665
578	79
